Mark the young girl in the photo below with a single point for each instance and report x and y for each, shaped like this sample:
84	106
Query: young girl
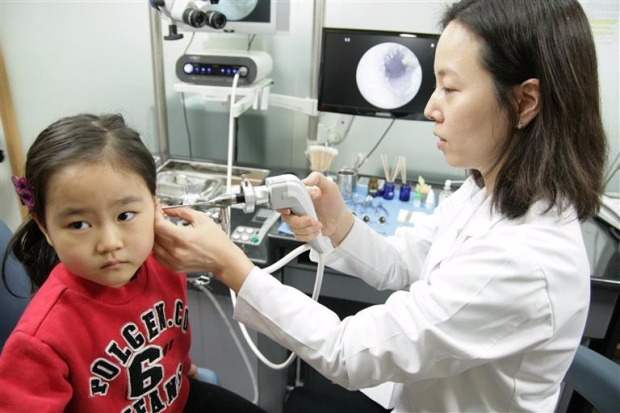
107	330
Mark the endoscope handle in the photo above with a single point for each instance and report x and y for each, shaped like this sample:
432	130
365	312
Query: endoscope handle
287	191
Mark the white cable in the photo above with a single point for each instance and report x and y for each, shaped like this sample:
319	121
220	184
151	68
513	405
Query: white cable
231	134
315	295
296	252
287	258
244	355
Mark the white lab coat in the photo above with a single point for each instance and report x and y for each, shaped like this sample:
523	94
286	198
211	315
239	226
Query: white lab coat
487	318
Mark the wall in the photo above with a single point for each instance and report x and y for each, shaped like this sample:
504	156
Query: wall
414	139
69	57
63	58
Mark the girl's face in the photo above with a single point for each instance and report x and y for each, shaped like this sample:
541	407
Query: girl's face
100	221
468	121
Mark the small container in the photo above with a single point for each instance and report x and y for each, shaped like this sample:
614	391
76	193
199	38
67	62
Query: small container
405	192
430	200
388	190
347	181
373	186
417	199
447	191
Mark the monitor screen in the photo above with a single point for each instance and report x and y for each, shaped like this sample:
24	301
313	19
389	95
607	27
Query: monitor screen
376	73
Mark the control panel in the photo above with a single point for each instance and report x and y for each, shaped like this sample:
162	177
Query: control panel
219	68
253	232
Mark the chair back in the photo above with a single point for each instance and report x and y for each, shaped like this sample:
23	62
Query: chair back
596	378
11	307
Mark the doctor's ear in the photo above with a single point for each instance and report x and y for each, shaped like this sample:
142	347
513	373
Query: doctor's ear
527	95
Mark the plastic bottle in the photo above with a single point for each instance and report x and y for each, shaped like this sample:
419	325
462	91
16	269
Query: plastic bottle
417	199
447	191
430	199
373	186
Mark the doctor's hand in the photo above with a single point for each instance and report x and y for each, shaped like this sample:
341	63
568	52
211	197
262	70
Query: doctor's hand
201	246
334	219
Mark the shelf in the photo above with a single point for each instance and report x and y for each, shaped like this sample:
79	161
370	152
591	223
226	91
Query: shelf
256	96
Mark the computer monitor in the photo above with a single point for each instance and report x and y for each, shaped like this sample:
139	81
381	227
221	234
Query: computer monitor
376	73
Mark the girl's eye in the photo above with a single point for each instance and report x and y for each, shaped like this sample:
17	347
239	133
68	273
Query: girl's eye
79	225
126	216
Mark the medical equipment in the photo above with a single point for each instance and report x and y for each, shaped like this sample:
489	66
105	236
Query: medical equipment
282	191
195	14
218	67
279	192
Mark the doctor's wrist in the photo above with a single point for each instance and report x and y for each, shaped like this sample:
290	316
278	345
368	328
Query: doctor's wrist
342	230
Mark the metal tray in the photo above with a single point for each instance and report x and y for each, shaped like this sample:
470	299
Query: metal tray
185	182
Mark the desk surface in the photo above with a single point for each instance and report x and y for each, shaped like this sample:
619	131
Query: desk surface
602	246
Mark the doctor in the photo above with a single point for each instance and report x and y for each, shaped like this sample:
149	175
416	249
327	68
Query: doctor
493	287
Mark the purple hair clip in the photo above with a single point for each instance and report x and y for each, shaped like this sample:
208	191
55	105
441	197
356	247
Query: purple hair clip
24	191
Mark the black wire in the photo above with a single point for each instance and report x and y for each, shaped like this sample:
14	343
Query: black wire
250	41
376	144
191	39
189	135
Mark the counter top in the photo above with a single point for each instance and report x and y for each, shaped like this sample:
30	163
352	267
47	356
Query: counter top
601	240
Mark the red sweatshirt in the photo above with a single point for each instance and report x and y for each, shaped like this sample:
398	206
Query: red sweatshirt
84	347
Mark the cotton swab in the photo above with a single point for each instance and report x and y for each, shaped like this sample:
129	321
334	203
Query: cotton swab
385	167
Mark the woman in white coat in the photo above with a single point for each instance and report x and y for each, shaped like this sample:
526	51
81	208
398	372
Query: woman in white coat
493	288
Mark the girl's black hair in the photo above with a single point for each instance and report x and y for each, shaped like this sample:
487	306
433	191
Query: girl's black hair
560	156
68	141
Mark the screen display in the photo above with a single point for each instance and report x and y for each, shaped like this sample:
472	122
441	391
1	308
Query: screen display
376	73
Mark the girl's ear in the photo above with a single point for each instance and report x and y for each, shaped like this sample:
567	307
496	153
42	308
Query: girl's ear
36	219
528	96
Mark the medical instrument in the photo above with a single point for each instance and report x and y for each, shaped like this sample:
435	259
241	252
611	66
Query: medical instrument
282	191
279	192
195	14
218	67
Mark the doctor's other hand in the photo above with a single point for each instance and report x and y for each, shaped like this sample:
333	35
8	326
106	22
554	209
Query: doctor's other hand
334	219
201	246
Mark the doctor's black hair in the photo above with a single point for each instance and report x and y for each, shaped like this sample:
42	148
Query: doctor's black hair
559	157
79	139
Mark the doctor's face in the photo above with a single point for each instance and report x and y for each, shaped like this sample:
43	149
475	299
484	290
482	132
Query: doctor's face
469	124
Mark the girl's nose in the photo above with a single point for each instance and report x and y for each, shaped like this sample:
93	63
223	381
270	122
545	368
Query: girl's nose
109	240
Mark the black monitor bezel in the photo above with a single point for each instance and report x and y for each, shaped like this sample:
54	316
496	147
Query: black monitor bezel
407	111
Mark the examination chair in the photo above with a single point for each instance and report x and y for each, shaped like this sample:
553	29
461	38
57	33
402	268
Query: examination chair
11	307
596	378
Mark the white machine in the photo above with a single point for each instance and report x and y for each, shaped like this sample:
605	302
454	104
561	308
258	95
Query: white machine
218	67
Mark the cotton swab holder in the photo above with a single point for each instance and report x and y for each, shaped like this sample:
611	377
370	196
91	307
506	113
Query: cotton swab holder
320	157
